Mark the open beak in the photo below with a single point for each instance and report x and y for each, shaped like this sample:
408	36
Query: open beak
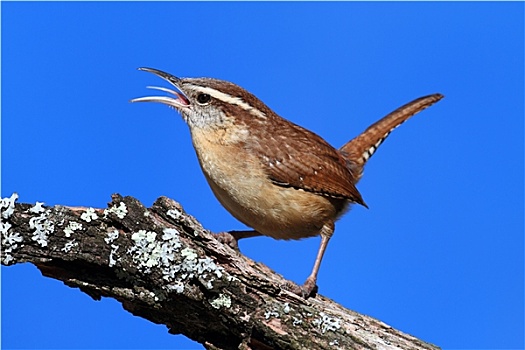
176	100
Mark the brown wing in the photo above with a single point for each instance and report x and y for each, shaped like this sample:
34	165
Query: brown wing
298	158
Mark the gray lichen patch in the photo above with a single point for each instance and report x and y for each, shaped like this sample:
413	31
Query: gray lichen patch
327	323
177	264
174	214
10	242
222	300
286	308
13	240
43	228
112	254
271	313
111	236
146	252
69	245
7	205
89	215
334	342
71	228
296	321
120	211
278	310
37	208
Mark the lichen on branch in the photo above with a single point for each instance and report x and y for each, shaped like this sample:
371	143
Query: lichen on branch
162	265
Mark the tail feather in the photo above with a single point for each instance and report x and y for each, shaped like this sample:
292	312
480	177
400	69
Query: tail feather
360	149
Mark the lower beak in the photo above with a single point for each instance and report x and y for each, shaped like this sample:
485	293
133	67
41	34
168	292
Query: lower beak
177	100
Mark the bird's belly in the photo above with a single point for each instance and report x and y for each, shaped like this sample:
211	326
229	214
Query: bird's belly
242	187
278	212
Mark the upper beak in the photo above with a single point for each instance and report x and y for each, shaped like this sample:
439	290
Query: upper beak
179	100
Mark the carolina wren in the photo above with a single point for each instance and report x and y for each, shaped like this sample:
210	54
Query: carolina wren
274	176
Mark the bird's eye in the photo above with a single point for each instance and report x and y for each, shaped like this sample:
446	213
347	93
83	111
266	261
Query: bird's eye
203	98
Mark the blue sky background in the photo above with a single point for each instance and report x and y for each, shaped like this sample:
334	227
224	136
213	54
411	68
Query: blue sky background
439	254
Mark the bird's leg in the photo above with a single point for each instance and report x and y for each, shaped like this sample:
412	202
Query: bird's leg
232	237
309	288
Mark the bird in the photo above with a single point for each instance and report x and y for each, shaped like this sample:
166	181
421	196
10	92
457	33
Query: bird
278	178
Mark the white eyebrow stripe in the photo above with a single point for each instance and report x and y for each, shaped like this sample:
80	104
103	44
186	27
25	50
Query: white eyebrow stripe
228	99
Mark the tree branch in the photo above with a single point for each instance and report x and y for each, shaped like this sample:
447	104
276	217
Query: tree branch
163	266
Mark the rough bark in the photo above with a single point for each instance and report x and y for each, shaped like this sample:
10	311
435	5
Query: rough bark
162	265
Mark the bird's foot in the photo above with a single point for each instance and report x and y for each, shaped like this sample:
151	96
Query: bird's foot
307	290
232	237
228	239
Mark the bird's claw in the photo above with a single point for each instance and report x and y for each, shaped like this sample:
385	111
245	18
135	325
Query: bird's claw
228	239
307	290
